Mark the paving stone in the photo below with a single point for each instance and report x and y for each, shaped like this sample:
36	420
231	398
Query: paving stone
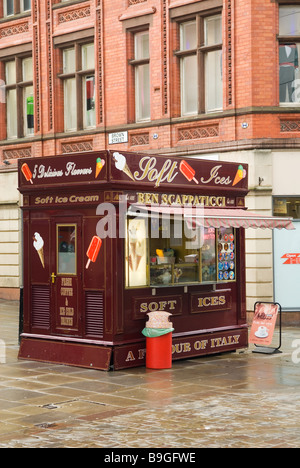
239	400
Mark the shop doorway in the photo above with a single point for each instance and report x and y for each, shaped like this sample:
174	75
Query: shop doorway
66	271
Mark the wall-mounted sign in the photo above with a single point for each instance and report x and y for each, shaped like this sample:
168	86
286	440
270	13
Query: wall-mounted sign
144	170
291	259
119	137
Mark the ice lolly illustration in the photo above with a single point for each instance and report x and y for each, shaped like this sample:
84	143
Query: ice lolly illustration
39	247
121	164
27	172
188	171
239	175
99	165
93	250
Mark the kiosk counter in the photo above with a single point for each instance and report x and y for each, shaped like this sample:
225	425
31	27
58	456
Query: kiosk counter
111	236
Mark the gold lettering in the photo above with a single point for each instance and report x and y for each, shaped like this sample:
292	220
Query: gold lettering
171	175
236	339
175	199
186	347
162	305
206	301
140	198
148	167
214	175
165	168
70	311
171	199
130	356
164	199
181	348
66	282
66	292
172	304
141	353
68	322
200	345
144	307
222	300
214	301
211	301
153	306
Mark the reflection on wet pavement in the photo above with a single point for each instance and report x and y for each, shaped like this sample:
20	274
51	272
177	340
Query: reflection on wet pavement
231	400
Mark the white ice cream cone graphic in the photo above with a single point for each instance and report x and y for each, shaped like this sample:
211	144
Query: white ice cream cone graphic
121	164
38	244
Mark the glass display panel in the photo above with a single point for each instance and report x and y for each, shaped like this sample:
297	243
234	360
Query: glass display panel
141	45
189	88
214	80
213	30
174	255
89	114
28	110
226	254
88	56
66	246
142	92
289	20
70	105
208	253
11	110
188	36
136	253
69	61
10	72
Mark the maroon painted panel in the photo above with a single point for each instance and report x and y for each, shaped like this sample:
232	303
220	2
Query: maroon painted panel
134	355
132	168
71	354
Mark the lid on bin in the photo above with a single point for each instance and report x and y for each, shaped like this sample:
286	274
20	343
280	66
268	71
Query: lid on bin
159	319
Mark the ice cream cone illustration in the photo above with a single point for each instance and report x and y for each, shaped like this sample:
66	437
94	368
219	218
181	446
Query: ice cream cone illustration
99	165
121	164
241	174
139	254
38	244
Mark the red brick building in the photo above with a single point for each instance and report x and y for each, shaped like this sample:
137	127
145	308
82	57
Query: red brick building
209	78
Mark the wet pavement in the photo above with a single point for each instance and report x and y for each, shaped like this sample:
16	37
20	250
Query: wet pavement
237	400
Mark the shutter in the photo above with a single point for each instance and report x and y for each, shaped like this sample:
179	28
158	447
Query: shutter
40	307
94	313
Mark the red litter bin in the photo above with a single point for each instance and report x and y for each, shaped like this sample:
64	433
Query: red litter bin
158	334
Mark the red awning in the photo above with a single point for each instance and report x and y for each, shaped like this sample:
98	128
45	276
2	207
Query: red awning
217	217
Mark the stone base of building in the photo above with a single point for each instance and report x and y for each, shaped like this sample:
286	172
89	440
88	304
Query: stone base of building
10	294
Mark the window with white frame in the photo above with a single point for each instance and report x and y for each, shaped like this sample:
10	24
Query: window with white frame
79	87
289	54
141	65
200	56
19	97
13	7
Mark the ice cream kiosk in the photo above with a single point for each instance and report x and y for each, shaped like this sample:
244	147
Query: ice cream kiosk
111	236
